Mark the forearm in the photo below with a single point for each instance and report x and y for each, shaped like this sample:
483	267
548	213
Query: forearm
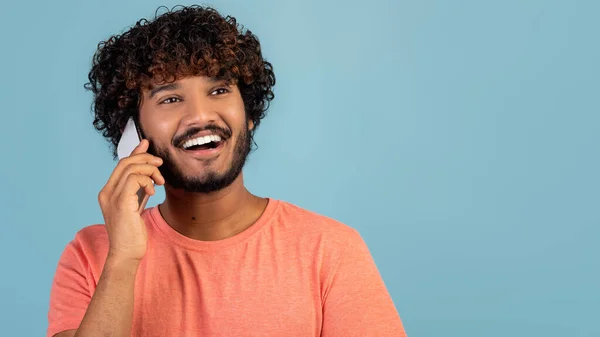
110	311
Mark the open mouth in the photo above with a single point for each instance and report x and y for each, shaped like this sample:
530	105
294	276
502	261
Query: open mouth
201	143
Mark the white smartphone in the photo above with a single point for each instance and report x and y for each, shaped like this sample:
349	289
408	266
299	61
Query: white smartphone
131	138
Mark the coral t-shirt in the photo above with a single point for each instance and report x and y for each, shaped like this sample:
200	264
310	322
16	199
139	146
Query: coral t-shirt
292	273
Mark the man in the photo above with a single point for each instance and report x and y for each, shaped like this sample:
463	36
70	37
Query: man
212	259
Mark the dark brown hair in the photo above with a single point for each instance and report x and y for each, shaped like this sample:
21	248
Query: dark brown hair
183	41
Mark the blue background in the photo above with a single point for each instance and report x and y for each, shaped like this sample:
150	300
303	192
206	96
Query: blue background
459	137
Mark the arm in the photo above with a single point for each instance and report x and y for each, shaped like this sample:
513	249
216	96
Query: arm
110	312
356	301
77	309
107	308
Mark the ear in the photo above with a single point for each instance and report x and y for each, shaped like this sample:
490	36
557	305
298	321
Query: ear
250	125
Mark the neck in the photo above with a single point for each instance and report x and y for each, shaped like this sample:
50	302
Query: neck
212	216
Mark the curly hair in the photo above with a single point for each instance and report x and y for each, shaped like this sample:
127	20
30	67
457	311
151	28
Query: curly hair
185	41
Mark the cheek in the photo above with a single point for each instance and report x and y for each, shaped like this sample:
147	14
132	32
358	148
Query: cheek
162	131
236	120
158	131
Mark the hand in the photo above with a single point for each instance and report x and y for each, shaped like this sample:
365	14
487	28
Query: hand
119	202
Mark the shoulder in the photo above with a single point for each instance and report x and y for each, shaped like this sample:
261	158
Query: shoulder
308	224
89	246
91	235
319	241
94	237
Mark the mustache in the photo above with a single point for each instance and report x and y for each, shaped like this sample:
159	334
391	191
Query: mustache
190	133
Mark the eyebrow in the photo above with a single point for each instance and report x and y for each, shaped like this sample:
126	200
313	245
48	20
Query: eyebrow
219	80
165	87
174	86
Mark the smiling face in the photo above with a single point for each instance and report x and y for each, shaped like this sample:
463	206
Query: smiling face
198	126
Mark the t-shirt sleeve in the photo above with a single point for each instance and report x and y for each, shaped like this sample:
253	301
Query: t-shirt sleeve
70	293
356	302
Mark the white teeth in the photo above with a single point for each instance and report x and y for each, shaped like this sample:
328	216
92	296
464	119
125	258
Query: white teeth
201	140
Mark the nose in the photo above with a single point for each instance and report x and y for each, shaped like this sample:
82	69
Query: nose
200	111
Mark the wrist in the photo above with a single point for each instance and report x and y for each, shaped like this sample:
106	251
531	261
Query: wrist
115	260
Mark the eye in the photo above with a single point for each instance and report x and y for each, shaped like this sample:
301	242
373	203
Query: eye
219	91
170	100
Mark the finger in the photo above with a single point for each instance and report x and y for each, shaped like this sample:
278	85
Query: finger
149	170
149	189
130	188
140	158
141	169
141	147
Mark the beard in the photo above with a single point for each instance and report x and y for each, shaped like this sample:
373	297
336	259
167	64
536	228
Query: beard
210	181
